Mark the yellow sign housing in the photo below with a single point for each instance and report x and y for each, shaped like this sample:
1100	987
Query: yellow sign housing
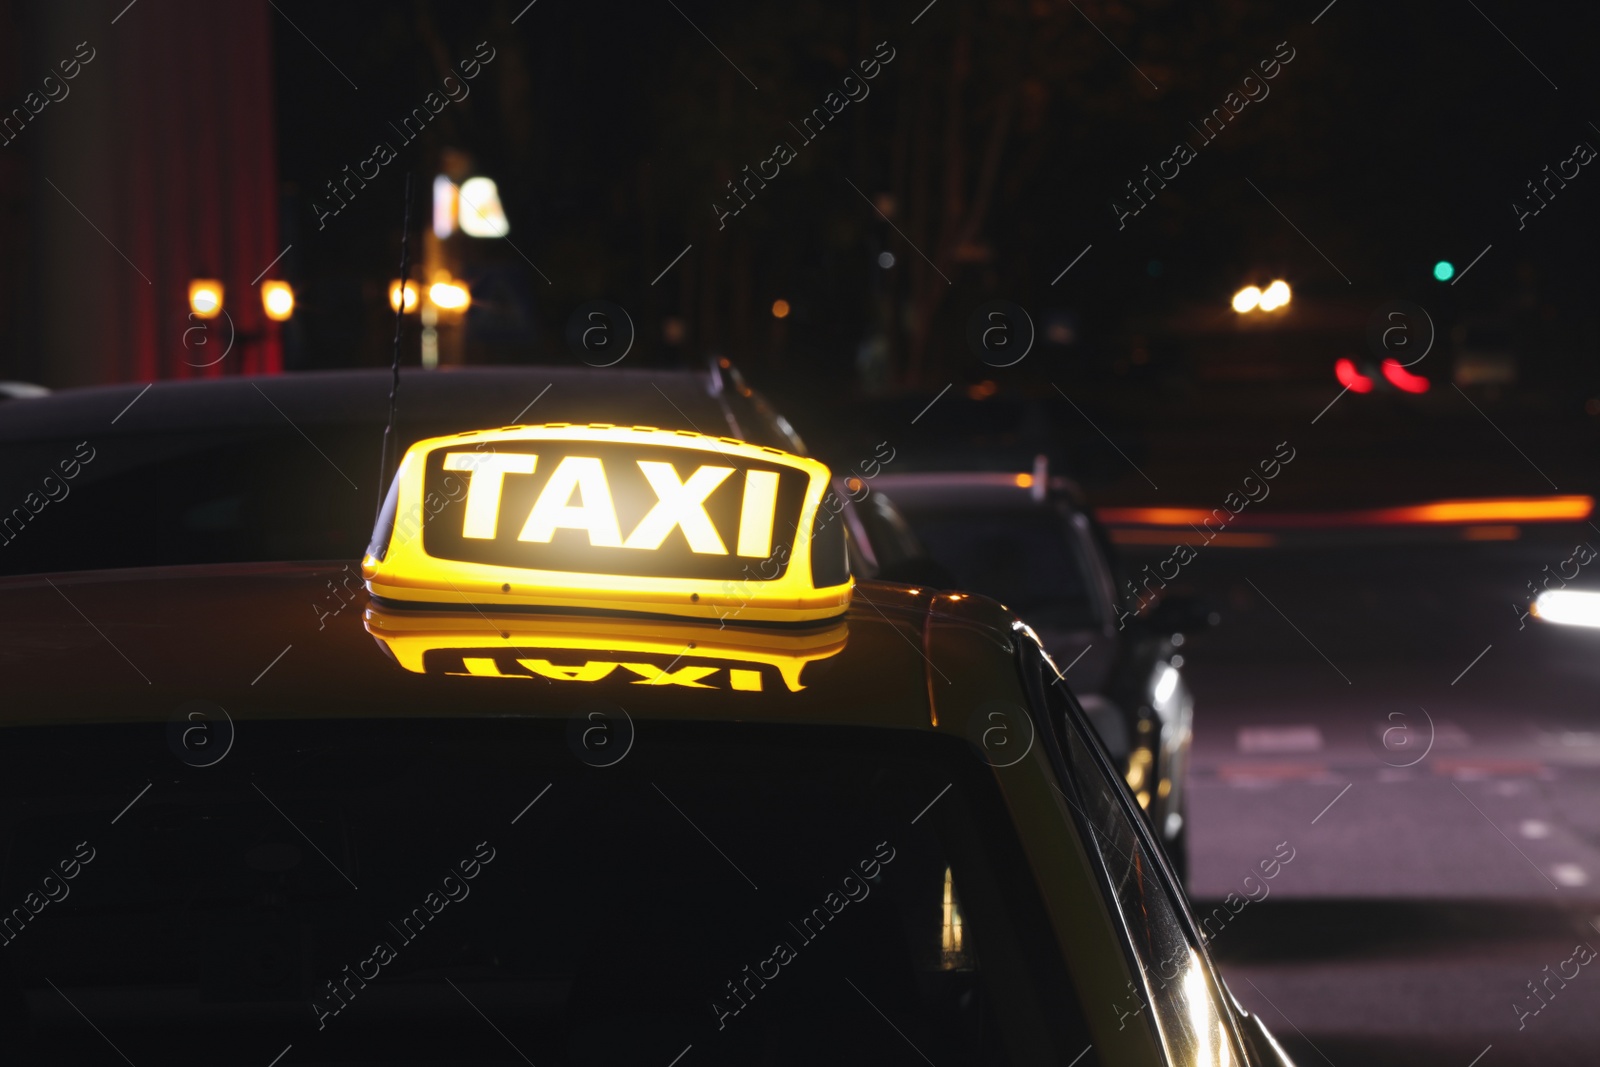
609	518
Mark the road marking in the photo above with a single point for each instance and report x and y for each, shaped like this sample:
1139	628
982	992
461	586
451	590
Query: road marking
1331	803
1502	833
1570	874
1254	739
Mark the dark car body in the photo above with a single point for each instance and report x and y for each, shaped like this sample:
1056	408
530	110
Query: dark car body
248	469
231	832
1027	540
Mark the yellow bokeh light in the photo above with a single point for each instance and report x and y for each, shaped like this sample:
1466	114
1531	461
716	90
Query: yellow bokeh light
1246	299
411	296
1277	295
449	296
780	309
205	297
277	300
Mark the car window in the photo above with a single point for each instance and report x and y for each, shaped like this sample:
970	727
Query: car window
1179	994
364	890
1023	557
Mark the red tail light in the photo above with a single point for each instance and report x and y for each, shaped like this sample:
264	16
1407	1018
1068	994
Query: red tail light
1403	379
1352	379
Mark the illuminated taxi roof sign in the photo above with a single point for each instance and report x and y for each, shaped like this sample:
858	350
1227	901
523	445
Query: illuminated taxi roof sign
609	518
590	651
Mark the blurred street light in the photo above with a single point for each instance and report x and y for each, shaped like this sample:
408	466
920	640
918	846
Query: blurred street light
449	296
1277	295
1250	298
780	309
1444	270
480	213
885	260
205	297
277	299
411	296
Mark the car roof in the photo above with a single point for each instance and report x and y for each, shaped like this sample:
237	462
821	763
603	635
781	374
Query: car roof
137	644
457	398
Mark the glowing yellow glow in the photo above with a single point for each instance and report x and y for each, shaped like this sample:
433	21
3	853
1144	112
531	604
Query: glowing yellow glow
596	514
1275	296
411	296
1138	773
951	932
680	505
205	298
450	296
780	309
1024	481
407	573
1246	299
489	472
757	512
590	651
277	300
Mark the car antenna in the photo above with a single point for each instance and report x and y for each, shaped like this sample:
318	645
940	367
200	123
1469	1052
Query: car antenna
399	321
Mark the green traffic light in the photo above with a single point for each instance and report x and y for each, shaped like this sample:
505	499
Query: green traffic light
1444	270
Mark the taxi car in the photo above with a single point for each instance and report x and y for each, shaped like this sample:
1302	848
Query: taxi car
220	470
1027	539
606	759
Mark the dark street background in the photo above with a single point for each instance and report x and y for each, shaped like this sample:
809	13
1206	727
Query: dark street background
999	154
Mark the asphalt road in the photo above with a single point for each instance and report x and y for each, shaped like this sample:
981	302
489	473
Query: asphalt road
1435	768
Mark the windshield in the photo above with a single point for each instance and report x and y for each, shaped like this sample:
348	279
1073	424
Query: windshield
1023	557
471	891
